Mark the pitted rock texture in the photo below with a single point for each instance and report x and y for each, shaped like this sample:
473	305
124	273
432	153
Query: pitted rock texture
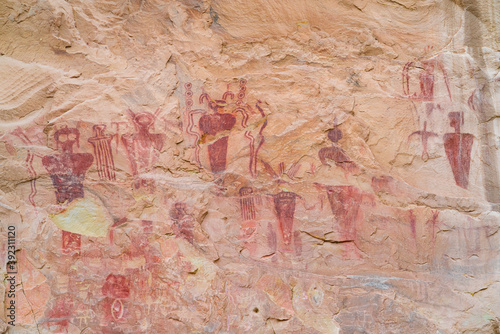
268	166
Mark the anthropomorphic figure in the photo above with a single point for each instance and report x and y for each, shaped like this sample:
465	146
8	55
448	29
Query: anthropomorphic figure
103	152
214	123
143	147
67	171
345	203
425	135
336	153
248	211
284	204
217	120
60	315
458	147
247	203
114	307
183	222
426	77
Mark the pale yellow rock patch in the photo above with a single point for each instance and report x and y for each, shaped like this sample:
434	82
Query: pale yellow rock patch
85	216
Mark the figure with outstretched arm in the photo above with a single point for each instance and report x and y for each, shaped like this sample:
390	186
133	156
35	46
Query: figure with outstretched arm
425	135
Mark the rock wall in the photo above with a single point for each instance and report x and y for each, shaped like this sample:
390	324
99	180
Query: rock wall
265	166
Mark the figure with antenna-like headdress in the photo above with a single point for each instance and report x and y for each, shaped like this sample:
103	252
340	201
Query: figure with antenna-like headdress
143	146
217	120
67	171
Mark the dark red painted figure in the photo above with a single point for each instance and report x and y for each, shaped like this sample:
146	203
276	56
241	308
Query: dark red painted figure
184	223
458	147
336	153
217	121
212	124
284	204
67	171
103	153
143	146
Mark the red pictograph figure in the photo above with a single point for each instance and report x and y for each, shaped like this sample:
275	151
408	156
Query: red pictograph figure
433	221
116	290
116	136
247	203
284	204
184	223
336	153
215	123
143	147
248	214
190	123
425	135
67	171
413	224
212	123
18	132
426	77
60	315
254	144
458	147
103	153
271	237
345	202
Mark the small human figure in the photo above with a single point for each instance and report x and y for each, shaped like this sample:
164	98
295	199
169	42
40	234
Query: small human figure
425	135
284	207
336	153
345	203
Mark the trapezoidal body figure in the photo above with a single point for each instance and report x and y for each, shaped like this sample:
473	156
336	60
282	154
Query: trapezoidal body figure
458	147
67	172
215	122
143	147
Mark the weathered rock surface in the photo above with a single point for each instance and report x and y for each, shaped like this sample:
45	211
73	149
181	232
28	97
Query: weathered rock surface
266	166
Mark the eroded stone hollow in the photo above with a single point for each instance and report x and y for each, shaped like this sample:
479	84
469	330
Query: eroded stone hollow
266	166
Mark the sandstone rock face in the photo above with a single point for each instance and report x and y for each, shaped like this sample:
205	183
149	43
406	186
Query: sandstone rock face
265	166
